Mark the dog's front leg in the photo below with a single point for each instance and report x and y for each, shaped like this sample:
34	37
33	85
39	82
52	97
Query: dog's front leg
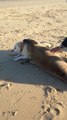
18	58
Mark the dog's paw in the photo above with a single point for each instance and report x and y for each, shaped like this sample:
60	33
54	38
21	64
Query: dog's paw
25	61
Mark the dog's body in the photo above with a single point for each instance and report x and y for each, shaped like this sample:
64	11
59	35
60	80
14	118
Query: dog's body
62	54
19	53
44	58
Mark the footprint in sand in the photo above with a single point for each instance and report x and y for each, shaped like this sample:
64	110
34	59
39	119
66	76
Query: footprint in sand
9	113
4	84
52	112
48	90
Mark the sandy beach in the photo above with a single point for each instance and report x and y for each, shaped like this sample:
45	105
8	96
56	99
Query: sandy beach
26	91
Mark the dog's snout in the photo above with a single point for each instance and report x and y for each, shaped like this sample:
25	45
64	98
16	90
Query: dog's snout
11	50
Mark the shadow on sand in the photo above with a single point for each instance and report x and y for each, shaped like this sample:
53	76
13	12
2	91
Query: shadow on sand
25	73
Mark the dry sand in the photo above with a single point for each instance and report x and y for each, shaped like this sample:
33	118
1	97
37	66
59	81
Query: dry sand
27	92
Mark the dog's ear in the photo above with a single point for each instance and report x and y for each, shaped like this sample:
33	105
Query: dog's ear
29	41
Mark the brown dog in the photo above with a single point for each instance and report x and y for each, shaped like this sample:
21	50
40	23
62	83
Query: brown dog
44	58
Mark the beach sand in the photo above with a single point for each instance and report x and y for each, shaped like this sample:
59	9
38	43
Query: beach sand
27	92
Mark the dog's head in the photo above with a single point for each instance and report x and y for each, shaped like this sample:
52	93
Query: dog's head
22	48
18	47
